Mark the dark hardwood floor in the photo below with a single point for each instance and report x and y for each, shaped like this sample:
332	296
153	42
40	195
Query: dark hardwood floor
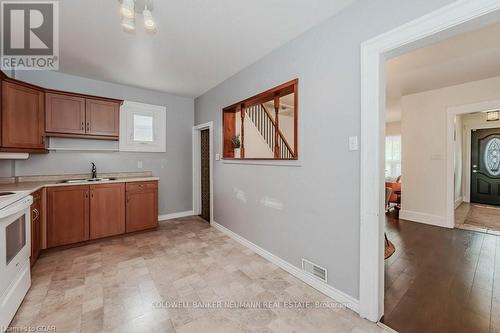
441	280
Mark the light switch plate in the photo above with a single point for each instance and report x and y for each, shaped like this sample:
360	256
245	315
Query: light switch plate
353	143
217	157
139	164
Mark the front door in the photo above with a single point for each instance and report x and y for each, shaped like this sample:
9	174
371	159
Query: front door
205	175
485	166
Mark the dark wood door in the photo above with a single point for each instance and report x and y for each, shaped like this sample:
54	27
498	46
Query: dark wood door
141	206
102	117
485	166
64	114
36	220
107	210
205	175
22	117
67	215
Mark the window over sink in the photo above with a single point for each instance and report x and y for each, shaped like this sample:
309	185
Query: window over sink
143	127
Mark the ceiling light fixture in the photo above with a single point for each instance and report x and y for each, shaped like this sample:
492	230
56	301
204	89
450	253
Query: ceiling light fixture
127	8
128	24
149	21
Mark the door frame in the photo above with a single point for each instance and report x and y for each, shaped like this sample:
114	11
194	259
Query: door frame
197	168
452	112
372	188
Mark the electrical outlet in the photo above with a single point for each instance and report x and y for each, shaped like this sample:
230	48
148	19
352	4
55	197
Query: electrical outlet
353	143
139	164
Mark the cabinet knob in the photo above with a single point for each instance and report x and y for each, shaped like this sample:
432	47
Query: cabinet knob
83	126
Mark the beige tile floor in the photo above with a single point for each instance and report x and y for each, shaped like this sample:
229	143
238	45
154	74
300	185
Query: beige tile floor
132	284
477	217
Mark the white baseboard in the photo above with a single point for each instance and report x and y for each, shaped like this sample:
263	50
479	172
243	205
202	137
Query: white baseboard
458	201
324	288
430	219
175	215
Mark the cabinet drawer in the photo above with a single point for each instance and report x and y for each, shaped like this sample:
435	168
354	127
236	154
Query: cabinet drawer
141	186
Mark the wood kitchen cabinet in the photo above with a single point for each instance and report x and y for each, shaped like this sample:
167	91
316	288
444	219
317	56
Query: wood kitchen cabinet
107	210
67	215
103	117
77	213
36	233
141	206
74	115
64	114
23	117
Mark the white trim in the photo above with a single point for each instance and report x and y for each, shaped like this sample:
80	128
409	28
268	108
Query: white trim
431	219
177	215
279	163
197	168
312	281
371	287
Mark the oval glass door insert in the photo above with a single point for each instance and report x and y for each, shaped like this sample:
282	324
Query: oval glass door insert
492	157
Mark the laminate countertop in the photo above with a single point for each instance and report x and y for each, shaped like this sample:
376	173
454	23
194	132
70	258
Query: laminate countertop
35	183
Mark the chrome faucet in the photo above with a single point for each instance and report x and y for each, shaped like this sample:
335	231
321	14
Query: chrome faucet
94	171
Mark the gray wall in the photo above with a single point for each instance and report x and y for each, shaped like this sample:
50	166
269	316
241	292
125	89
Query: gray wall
320	215
173	167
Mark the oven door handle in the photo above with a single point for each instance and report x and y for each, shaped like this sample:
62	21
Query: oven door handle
16	207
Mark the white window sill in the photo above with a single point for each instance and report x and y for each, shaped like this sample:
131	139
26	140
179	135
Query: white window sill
280	163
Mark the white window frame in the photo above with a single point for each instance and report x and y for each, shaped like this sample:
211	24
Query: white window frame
159	115
395	163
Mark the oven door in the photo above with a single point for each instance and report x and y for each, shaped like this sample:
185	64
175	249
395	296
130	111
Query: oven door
15	244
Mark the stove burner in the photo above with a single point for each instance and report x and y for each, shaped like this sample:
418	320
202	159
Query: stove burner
3	194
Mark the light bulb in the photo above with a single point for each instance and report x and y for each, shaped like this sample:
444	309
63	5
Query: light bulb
149	21
127	8
128	24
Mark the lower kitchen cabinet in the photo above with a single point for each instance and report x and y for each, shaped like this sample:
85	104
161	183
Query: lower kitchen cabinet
142	206
36	233
84	212
107	210
67	215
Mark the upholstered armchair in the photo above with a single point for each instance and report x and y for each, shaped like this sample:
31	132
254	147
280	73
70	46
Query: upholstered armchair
395	186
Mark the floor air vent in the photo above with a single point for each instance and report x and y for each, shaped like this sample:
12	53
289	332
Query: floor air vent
315	270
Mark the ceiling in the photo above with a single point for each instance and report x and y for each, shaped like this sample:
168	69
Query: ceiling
199	43
463	58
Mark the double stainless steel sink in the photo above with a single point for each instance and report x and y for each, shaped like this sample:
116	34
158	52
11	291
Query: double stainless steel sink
69	181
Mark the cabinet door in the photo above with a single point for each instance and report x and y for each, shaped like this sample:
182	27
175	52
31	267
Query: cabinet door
142	207
64	114
102	117
107	210
67	215
22	117
36	219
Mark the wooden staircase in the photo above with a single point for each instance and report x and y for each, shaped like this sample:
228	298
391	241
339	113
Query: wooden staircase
268	128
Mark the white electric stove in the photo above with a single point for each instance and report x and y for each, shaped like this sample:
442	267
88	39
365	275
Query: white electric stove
15	251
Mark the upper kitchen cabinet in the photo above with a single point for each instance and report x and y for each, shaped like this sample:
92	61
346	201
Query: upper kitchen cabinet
64	114
22	117
73	115
103	117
